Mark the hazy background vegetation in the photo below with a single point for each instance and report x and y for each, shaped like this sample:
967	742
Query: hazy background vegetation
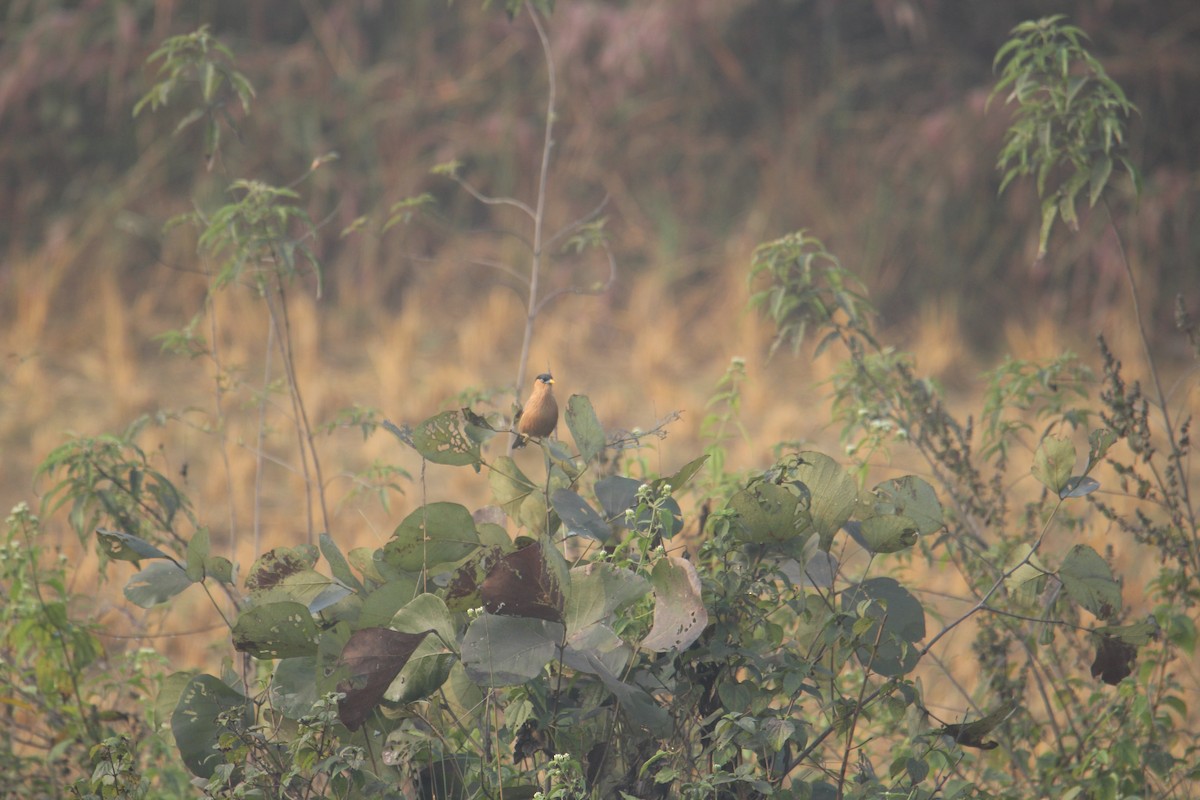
710	125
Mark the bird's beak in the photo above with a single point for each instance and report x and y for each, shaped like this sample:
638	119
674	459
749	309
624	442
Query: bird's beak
550	382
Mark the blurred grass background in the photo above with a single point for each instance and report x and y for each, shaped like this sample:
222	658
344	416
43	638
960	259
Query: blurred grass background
711	125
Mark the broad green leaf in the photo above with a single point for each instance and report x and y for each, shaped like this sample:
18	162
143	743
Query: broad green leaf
1089	582
156	584
426	670
276	630
597	642
585	427
381	605
195	725
679	613
294	686
889	534
443	439
434	536
425	612
1053	462
508	651
599	590
305	586
897	623
579	518
833	492
913	498
616	494
768	513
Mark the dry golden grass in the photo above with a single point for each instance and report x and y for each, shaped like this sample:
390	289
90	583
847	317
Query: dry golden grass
647	350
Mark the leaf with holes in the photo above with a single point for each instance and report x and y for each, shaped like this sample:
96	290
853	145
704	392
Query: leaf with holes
910	497
373	657
126	547
768	513
527	583
433	536
443	439
195	722
679	613
276	630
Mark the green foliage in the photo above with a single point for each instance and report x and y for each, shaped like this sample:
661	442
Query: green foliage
808	288
69	727
1069	125
563	643
198	58
109	480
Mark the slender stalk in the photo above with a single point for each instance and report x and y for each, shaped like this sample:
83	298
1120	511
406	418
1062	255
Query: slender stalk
539	214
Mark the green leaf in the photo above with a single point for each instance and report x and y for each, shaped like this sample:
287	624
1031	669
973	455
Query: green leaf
1053	462
768	513
616	494
579	518
276	630
913	498
430	664
443	439
197	555
897	623
434	536
889	534
195	725
156	584
126	547
1099	442
1089	582
597	591
686	473
834	493
1101	170
585	427
338	566
510	488
508	651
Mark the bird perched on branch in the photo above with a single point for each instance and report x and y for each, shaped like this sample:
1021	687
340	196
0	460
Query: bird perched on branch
539	417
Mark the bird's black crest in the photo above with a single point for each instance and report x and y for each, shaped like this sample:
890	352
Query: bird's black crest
545	377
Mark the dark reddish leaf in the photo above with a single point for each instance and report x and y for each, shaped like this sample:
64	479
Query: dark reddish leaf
374	657
1114	660
521	584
